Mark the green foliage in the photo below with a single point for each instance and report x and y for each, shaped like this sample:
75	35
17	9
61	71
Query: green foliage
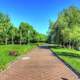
66	30
4	27
29	34
50	32
24	34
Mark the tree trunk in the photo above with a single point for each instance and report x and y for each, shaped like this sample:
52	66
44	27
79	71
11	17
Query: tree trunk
69	44
12	40
28	37
20	38
6	39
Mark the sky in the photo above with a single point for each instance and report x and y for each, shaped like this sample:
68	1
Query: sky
35	12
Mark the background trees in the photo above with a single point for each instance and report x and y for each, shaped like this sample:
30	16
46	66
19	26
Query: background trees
4	27
24	34
66	30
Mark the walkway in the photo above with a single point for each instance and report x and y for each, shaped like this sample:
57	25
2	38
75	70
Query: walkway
39	64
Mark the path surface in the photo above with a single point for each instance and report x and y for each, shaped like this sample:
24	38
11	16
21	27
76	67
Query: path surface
39	64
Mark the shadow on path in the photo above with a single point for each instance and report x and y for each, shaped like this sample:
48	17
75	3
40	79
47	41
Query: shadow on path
49	46
64	79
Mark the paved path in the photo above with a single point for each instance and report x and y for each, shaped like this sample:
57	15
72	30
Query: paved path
39	64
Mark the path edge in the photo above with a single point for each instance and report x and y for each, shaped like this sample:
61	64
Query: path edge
65	63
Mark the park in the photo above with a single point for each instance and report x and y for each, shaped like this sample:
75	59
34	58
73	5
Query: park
48	52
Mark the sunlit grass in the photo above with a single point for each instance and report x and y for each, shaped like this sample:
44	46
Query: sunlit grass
71	56
5	58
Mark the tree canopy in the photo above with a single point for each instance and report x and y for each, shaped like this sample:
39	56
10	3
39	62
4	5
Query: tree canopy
23	34
66	29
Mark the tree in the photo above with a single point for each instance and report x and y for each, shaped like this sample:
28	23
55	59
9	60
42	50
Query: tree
12	33
66	30
27	32
4	26
51	31
23	28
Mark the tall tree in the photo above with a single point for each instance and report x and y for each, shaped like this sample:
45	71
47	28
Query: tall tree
12	33
4	26
67	27
25	31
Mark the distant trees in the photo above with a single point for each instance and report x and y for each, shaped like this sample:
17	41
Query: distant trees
66	30
25	33
29	34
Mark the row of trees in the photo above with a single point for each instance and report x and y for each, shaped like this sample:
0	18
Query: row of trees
66	30
25	33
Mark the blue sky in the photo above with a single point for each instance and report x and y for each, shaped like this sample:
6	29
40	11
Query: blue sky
35	12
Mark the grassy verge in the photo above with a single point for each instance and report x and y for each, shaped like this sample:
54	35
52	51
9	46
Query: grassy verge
71	56
5	58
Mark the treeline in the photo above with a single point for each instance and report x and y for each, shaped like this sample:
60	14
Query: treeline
66	30
22	34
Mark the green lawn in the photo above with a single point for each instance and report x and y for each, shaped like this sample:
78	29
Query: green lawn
5	58
71	56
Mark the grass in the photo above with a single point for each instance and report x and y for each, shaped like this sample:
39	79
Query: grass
5	58
70	56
